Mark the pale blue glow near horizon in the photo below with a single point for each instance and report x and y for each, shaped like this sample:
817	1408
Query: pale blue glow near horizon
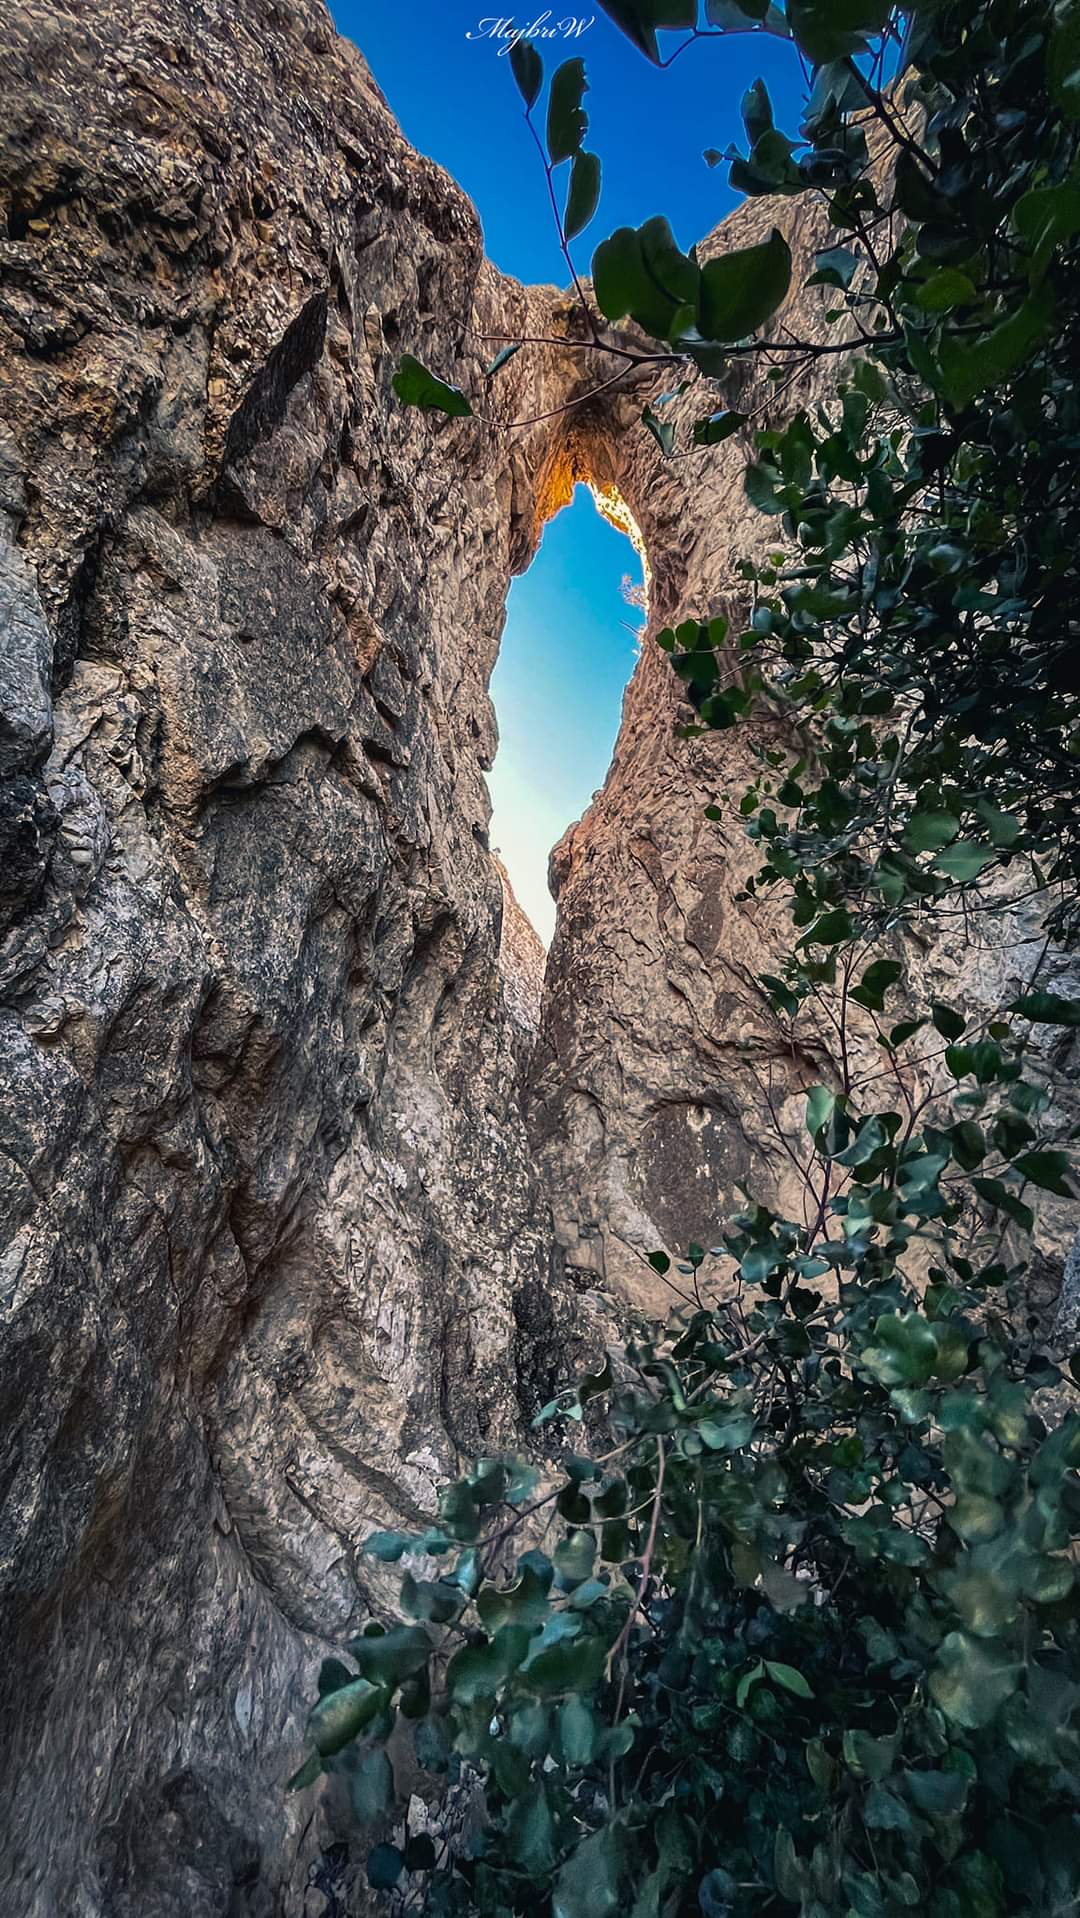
569	648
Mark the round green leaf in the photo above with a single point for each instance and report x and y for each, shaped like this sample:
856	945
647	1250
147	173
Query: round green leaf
1047	1008
949	1023
1050	1169
820	1106
787	1676
588	1883
566	120
946	288
584	194
388	1657
831	929
310	1770
756	110
527	69
385	1865
717	428
577	1732
617	273
419	1852
343	1713
832	29
741	290
417	387
477	1671
973	1679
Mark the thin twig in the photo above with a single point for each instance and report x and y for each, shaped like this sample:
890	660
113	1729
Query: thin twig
643	1580
534	418
564	246
578	346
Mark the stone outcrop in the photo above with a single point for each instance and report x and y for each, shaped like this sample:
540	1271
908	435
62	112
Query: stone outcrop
661	1082
273	1256
522	962
278	1246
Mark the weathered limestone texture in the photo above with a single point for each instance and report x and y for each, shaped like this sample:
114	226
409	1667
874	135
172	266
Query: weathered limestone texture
661	1082
275	1249
273	1258
522	960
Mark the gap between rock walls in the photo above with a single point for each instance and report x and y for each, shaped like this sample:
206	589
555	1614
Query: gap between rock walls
302	1204
571	643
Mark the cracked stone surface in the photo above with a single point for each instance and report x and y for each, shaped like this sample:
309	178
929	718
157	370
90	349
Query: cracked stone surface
283	1233
661	1082
274	1259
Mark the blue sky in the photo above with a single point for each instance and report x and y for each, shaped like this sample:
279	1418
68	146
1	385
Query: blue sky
566	651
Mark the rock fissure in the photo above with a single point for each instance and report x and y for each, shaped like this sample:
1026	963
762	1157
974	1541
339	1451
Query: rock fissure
313	1178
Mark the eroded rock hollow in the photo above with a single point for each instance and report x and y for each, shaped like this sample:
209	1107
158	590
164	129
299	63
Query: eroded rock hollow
278	1247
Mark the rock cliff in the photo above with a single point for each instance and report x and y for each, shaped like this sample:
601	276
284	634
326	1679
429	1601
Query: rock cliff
661	1083
273	1255
278	1246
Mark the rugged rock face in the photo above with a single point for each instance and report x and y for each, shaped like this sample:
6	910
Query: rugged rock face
275	1252
522	962
661	1082
273	1255
647	1104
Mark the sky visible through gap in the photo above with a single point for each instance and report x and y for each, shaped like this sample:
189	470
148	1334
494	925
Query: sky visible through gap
566	652
569	648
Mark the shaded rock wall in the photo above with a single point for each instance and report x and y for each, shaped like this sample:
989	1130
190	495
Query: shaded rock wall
276	1245
646	1103
661	1082
273	1255
522	963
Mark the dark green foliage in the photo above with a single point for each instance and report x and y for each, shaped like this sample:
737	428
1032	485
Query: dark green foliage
740	291
718	427
640	19
566	120
812	1634
417	387
925	619
528	70
642	272
806	1630
583	196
